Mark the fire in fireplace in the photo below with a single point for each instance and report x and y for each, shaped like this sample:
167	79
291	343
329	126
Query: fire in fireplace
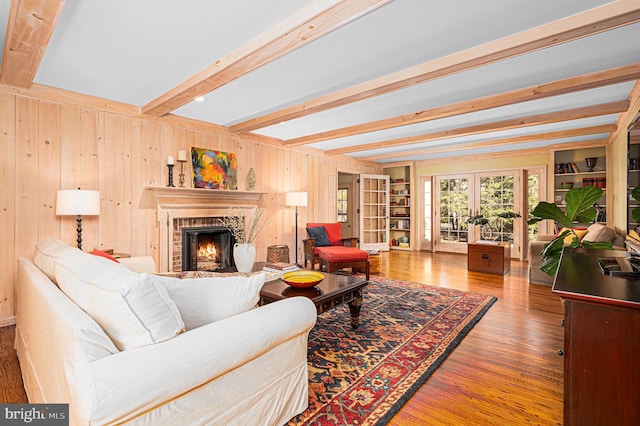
207	249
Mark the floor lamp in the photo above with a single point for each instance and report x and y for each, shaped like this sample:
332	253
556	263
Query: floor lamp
296	199
72	202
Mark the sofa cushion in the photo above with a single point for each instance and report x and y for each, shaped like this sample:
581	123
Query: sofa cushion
132	309
319	234
334	232
46	255
208	299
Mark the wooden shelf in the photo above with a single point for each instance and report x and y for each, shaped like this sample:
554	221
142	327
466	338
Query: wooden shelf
171	193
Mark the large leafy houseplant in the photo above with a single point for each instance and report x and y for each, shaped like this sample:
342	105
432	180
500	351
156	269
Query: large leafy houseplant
485	223
579	209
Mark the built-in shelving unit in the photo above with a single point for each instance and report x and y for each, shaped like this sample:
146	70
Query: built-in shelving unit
575	168
633	176
401	221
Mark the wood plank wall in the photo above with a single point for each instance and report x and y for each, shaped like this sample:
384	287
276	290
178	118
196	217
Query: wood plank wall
47	145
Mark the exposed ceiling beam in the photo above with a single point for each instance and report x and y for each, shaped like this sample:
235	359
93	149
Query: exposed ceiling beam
555	88
626	119
532	120
316	20
603	18
29	29
584	131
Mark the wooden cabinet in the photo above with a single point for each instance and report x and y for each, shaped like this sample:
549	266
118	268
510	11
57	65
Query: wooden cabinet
489	258
602	343
401	221
575	168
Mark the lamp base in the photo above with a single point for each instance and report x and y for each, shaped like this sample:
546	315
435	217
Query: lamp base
79	231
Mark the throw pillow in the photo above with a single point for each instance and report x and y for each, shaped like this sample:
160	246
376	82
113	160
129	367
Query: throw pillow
603	234
205	300
132	309
97	252
319	234
594	231
334	232
580	232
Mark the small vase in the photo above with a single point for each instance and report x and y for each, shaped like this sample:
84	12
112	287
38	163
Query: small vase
244	255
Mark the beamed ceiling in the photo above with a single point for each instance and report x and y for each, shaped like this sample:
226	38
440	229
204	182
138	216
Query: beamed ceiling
381	81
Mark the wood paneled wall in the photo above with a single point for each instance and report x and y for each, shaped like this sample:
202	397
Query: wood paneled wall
47	145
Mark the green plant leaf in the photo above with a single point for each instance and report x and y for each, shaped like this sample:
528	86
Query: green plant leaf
508	215
580	200
601	245
546	210
635	213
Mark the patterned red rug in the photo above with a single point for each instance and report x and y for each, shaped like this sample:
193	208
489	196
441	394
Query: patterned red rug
406	330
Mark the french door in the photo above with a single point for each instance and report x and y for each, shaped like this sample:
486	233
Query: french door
374	212
457	197
454	201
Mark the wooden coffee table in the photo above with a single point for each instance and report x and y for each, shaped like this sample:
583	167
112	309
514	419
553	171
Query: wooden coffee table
332	291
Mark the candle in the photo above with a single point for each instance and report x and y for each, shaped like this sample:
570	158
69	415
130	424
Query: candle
170	160
182	155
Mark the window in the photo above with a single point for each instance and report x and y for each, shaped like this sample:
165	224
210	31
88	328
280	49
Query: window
342	205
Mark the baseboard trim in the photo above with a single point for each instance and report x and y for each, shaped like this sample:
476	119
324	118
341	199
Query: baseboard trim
4	322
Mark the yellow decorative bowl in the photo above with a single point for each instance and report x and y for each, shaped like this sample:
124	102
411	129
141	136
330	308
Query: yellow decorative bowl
302	278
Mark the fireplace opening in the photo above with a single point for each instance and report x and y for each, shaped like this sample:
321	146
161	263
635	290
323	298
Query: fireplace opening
208	249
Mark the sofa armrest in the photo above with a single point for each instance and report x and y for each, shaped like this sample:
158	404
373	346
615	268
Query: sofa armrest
112	389
535	252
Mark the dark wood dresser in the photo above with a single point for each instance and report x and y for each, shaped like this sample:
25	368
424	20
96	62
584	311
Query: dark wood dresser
601	341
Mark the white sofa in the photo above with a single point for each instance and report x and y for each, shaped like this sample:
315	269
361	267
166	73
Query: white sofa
246	369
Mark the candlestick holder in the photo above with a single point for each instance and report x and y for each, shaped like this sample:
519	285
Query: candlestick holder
170	184
181	177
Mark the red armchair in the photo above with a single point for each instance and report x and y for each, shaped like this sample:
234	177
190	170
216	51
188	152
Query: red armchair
332	251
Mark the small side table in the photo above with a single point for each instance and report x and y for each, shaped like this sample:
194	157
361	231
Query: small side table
489	257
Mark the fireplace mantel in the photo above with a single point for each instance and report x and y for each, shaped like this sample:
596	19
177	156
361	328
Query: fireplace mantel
165	193
172	203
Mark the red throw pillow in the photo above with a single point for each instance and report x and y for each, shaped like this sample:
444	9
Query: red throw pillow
97	252
334	232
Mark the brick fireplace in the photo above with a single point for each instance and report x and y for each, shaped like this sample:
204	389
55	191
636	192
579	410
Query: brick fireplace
178	208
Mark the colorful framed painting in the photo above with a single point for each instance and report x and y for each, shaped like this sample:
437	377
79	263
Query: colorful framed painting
214	169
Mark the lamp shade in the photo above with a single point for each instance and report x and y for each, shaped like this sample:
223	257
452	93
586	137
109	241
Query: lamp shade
72	202
298	199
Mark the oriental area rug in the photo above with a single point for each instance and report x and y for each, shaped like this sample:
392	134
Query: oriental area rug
406	331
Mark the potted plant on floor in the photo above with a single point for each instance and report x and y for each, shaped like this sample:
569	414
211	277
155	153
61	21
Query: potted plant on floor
486	228
579	209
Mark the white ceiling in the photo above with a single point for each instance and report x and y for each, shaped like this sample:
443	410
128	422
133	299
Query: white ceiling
133	51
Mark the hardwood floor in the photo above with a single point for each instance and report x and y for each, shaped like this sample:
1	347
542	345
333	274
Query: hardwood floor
505	372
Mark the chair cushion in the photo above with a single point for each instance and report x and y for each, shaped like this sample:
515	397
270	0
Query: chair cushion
333	254
334	232
319	234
